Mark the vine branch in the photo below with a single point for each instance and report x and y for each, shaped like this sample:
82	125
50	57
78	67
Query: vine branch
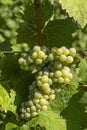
38	22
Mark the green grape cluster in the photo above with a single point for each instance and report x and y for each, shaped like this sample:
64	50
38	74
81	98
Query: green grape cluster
54	70
38	100
35	60
8	20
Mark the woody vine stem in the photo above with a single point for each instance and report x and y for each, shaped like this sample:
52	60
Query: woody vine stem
38	21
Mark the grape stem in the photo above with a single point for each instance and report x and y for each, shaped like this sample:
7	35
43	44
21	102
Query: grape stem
37	9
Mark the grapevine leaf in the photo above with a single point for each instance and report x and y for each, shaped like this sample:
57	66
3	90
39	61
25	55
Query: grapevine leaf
7	100
76	9
24	127
11	126
9	67
63	97
74	80
83	100
14	78
83	71
5	46
56	33
59	33
49	120
2	127
22	84
75	111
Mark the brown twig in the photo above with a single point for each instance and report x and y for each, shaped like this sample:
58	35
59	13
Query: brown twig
37	8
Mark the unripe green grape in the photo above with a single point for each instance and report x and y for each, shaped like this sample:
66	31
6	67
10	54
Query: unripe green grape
26	68
52	91
63	47
50	57
72	51
58	74
46	73
59	51
44	108
33	69
34	55
31	88
25	47
44	49
61	80
54	80
27	115
51	74
23	104
44	79
53	50
22	116
35	101
39	83
28	109
38	110
77	70
22	110
50	82
30	103
62	57
37	95
40	73
38	106
36	49
58	65
33	114
46	97
24	55
24	63
41	55
47	91
29	60
38	61
66	68
33	108
69	59
65	51
65	73
43	101
70	75
51	97
45	86
39	77
66	80
20	60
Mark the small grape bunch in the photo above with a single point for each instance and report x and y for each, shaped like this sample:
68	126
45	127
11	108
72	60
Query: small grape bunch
63	76
44	82
35	60
38	101
66	55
